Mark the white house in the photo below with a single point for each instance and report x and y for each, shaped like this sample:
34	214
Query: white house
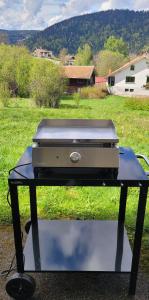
42	53
132	79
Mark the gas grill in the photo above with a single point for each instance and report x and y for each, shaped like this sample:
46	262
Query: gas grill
75	145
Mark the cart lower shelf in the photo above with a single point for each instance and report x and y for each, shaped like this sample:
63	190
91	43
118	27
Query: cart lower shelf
101	246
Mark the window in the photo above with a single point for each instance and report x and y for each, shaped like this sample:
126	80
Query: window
147	79
126	90
132	68
111	81
131	90
130	79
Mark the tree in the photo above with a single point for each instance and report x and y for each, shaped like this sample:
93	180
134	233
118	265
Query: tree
84	56
46	83
62	55
116	45
8	74
15	64
23	68
145	49
108	61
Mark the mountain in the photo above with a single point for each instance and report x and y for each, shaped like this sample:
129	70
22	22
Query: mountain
18	36
95	28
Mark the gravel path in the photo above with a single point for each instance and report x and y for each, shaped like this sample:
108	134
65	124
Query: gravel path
78	286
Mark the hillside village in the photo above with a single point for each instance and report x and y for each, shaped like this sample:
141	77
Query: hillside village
112	61
131	79
46	75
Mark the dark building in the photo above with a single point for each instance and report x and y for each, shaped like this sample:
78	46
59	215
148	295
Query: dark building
79	76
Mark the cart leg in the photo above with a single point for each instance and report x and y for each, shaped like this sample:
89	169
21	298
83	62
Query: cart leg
16	227
33	204
138	239
35	231
33	208
120	229
122	209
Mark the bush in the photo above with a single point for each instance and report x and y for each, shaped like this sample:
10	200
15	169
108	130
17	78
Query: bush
147	86
23	73
95	92
15	65
76	98
47	84
137	104
4	94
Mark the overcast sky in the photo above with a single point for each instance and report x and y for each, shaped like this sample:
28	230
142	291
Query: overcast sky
39	14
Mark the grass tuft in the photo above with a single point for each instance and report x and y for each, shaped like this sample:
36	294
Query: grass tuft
138	104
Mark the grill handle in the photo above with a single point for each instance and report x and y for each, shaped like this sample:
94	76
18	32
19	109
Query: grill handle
141	156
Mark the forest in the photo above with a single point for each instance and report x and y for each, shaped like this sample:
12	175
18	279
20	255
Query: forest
94	29
16	36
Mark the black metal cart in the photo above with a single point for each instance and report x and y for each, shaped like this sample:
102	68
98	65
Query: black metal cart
84	246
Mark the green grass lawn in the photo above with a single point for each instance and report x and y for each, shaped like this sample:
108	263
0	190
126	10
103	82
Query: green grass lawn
17	126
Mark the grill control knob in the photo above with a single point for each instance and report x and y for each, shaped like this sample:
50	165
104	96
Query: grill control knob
75	157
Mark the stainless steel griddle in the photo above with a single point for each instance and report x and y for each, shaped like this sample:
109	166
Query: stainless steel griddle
76	131
75	144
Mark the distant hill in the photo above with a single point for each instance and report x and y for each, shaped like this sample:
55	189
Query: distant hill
17	36
94	29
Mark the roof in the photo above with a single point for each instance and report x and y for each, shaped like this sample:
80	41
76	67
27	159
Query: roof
42	50
79	72
131	62
100	79
70	56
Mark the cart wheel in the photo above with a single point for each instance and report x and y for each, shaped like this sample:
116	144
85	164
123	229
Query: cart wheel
20	286
27	226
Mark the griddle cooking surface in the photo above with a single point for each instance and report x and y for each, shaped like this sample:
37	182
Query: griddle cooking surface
75	133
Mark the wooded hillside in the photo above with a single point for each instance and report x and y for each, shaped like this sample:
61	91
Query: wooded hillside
94	29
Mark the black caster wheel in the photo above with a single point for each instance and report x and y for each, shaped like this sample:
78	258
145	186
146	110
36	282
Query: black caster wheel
27	226
20	286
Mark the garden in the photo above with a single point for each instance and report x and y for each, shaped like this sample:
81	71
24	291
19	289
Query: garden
17	127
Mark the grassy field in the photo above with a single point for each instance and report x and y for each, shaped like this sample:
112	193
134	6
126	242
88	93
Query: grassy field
17	126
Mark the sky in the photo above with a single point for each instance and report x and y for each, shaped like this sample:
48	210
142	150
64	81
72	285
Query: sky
39	14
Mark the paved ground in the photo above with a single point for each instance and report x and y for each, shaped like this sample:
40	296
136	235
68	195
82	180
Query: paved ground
72	286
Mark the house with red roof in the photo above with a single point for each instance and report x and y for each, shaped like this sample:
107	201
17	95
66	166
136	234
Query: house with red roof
100	80
79	77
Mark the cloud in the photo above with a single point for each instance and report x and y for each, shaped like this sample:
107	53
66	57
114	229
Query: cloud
76	7
32	7
39	14
2	3
141	4
112	4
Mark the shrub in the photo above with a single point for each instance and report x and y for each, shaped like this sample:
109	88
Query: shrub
94	92
137	104
76	97
47	84
15	65
23	68
4	94
147	85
